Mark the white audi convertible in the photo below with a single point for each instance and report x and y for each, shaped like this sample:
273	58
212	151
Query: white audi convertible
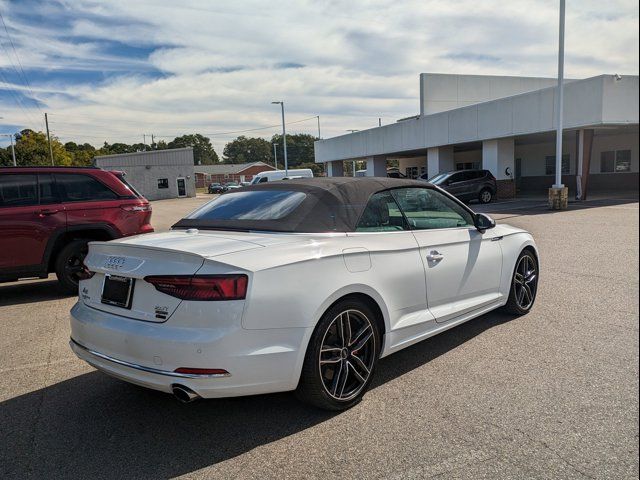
295	285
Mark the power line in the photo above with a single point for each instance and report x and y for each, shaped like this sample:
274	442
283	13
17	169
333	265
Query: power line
15	52
16	98
220	134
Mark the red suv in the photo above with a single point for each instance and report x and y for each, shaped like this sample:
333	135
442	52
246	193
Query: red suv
49	214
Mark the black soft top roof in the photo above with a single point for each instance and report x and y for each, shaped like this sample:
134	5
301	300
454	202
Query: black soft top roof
332	204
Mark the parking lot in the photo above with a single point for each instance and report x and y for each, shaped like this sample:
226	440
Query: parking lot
553	394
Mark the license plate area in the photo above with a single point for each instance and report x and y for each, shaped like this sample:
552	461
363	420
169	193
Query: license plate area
117	291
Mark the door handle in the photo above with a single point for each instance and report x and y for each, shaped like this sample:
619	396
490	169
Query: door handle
434	256
47	211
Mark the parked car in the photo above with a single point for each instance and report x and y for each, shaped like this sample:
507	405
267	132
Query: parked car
49	214
222	306
467	185
216	188
231	186
272	175
394	172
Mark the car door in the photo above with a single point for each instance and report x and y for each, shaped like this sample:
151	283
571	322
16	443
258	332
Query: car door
395	269
462	265
87	201
455	184
26	223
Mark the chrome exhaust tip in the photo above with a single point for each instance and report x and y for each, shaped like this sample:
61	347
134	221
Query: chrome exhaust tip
184	394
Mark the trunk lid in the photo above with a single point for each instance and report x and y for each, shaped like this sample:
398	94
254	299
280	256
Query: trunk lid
171	253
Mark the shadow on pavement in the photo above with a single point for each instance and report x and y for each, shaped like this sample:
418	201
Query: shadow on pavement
521	207
93	426
31	291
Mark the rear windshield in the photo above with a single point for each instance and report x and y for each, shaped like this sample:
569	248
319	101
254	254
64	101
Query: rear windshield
250	205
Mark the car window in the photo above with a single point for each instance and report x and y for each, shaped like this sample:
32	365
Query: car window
471	175
381	215
263	180
79	188
18	190
48	190
427	209
251	205
456	177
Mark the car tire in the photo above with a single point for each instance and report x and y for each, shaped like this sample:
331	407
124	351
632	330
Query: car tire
69	263
485	195
524	284
323	381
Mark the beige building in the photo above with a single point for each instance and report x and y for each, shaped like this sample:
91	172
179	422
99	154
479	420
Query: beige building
507	125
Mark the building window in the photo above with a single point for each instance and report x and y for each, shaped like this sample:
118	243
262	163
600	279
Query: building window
615	161
550	164
411	172
163	183
467	166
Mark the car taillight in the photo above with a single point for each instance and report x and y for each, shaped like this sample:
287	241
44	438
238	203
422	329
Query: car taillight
201	287
136	208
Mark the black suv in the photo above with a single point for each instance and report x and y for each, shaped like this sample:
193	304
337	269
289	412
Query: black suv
467	185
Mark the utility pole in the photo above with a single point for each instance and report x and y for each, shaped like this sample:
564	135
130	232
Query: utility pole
559	99
379	121
152	142
284	139
144	141
319	136
13	151
46	122
275	155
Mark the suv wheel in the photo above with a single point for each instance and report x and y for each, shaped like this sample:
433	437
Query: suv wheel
69	265
486	195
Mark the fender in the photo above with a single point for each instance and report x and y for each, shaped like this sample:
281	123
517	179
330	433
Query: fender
106	228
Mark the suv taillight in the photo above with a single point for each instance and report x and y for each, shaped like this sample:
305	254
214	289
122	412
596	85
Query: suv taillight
136	208
201	287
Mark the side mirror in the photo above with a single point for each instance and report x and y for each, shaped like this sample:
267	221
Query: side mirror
484	222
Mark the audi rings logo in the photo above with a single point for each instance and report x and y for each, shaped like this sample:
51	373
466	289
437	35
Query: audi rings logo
114	263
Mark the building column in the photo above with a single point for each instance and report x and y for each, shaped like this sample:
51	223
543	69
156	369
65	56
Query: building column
377	166
584	138
439	159
335	169
498	156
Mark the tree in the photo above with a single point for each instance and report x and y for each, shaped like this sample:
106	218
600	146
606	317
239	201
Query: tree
203	152
299	149
248	150
32	148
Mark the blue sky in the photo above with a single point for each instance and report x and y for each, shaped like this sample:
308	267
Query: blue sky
113	70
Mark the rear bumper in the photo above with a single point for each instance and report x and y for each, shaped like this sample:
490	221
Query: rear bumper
146	354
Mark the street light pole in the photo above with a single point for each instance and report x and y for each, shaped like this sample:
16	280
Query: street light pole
13	151
560	100
284	139
319	136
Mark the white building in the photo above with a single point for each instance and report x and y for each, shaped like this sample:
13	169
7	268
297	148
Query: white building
507	125
157	174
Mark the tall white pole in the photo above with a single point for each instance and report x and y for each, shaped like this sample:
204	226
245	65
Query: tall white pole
560	100
284	142
319	137
13	152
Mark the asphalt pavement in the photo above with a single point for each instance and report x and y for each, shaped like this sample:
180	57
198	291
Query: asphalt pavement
553	394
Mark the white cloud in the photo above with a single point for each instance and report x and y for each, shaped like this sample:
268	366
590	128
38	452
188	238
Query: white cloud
216	67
